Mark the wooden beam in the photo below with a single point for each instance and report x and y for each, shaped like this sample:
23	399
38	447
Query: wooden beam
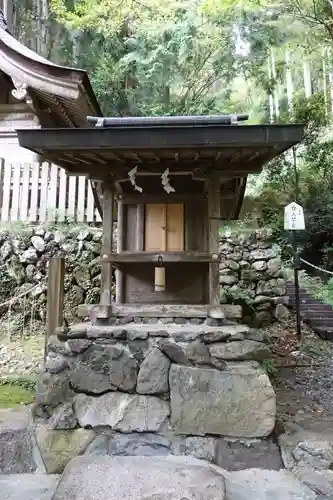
133	199
156	171
55	297
106	274
146	257
63	111
120	247
214	214
230	311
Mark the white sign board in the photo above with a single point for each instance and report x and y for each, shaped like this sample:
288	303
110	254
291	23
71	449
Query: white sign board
294	217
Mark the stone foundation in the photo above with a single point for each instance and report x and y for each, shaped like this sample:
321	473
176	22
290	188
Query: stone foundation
156	389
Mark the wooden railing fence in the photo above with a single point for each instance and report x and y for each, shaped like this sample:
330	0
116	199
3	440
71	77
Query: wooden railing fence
33	192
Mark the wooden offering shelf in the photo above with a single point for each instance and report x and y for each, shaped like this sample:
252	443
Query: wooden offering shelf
153	257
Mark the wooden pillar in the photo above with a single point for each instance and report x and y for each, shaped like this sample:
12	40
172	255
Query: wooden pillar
106	272
120	248
8	12
214	211
55	297
140	227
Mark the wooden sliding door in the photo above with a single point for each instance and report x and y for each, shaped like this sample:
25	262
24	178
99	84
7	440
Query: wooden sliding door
164	227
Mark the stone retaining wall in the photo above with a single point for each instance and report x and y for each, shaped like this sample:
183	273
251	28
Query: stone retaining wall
251	271
158	389
251	274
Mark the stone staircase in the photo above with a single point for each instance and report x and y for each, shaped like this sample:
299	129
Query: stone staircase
316	314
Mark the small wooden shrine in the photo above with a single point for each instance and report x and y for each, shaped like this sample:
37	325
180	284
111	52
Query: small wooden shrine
174	181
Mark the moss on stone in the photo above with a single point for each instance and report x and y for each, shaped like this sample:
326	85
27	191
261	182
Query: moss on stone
12	396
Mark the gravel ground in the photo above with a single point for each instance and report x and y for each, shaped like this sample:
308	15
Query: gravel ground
21	357
304	378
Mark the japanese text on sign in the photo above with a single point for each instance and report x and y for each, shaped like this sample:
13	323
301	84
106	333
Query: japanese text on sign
294	217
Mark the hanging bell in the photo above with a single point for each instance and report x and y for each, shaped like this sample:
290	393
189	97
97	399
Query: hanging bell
159	275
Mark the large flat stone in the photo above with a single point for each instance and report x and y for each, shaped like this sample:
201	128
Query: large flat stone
63	417
258	484
105	368
304	448
28	486
153	377
140	478
319	481
194	446
53	389
16	442
244	350
240	454
122	412
239	401
139	444
222	333
181	333
58	447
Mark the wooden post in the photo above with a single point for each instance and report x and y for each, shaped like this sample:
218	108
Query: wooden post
120	248
55	297
8	12
106	271
140	227
214	211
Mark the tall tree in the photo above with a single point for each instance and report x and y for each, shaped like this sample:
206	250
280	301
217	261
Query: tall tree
155	61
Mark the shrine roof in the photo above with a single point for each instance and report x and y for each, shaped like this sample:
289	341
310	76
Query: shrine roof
187	144
60	96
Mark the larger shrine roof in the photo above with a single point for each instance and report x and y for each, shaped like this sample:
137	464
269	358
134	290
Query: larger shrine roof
61	96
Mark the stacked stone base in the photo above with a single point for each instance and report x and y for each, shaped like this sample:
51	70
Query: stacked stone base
156	389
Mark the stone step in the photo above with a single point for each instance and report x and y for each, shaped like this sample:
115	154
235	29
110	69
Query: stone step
317	317
324	332
185	333
307	299
28	486
230	311
149	478
321	321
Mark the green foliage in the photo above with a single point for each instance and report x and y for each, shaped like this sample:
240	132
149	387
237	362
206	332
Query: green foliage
245	225
8	284
310	169
319	289
27	383
16	391
108	16
270	366
169	59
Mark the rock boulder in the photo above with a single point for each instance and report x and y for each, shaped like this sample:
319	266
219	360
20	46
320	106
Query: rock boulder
105	368
122	412
16	442
58	447
257	484
140	478
153	377
28	486
239	401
